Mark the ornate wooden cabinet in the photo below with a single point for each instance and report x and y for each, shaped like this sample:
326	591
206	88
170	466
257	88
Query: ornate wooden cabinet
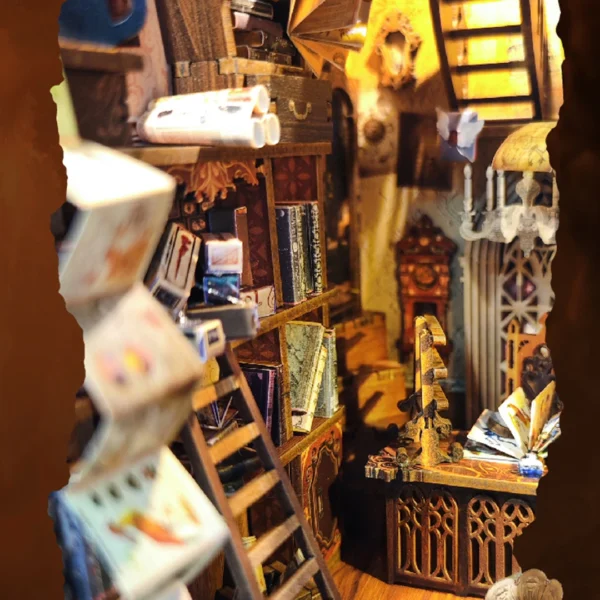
452	527
423	258
320	464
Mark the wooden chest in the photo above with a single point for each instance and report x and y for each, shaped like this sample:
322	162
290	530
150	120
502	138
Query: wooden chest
361	341
97	81
302	104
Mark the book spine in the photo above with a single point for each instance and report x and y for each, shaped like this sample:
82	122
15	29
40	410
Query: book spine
270	401
286	220
303	423
315	247
298	252
304	234
335	400
326	404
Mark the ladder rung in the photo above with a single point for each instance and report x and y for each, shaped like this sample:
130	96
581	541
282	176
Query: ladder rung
480	68
211	393
255	490
461	34
235	441
495	100
268	543
292	587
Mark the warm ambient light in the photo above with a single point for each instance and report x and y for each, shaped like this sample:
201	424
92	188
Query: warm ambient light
493	56
523	151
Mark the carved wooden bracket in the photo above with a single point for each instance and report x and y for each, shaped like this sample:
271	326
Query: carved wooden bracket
210	181
531	585
397	44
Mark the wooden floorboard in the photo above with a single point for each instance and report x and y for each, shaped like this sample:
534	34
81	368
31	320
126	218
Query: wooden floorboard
356	585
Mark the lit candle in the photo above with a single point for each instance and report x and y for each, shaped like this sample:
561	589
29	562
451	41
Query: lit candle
489	189
501	189
468	201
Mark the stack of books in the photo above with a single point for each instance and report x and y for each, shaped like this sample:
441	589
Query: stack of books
312	362
257	35
213	286
299	237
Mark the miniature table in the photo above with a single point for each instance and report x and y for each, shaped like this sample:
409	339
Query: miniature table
452	527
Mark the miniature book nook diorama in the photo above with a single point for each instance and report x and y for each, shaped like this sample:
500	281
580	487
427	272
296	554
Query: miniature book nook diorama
309	247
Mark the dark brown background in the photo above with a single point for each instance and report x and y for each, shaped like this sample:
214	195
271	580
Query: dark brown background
41	351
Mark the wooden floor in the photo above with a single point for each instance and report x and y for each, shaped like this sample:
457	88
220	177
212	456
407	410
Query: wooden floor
356	585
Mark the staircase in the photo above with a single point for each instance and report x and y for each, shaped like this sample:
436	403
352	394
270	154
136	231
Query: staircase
492	57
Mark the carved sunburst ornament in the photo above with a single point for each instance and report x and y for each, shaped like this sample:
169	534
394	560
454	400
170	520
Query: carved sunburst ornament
531	585
397	44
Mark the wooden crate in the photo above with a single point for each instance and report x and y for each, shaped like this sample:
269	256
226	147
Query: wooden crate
378	389
97	81
361	341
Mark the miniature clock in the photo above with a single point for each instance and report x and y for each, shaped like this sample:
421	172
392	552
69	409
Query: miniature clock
423	273
425	277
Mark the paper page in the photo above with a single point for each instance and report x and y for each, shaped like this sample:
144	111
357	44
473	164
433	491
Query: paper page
150	522
137	356
515	412
491	431
541	409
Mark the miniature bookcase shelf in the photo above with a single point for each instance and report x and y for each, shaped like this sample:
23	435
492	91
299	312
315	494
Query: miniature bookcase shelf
192	163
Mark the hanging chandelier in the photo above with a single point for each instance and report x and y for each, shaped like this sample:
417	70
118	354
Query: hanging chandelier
523	151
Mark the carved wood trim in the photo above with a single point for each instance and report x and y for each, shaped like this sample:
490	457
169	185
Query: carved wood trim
211	181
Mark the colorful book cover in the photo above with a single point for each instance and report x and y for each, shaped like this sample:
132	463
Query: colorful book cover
235	221
136	355
150	523
122	208
304	342
303	423
263	297
262	385
171	274
281	430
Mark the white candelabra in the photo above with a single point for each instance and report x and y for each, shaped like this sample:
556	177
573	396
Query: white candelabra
502	223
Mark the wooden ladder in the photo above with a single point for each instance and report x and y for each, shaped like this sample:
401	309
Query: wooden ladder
529	31
204	460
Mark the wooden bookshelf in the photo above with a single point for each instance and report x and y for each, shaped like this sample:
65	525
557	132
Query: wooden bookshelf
166	156
294	447
281	317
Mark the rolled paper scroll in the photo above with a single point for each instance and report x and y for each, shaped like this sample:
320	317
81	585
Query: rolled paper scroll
200	125
252	101
272	129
